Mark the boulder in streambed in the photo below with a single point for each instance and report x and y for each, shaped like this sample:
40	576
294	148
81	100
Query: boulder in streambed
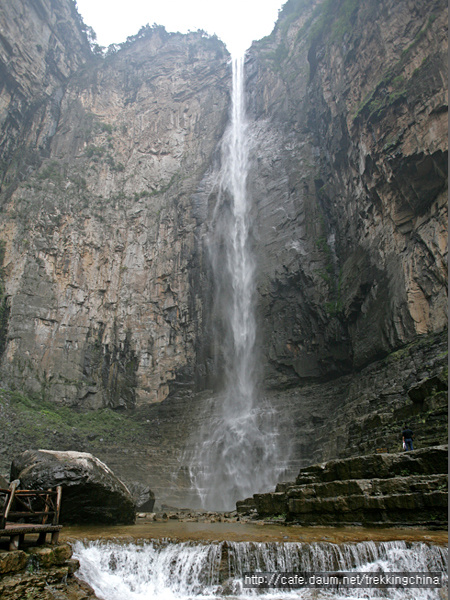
91	491
143	496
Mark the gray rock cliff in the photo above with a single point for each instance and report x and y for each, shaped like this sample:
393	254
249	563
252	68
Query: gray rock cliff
109	166
103	257
349	108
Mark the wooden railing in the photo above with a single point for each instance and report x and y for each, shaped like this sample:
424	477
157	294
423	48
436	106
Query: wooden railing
29	511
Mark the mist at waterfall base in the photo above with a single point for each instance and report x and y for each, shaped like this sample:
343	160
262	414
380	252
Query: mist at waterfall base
237	452
163	570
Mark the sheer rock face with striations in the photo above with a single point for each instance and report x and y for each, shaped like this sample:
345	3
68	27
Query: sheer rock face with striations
109	172
42	44
103	221
349	107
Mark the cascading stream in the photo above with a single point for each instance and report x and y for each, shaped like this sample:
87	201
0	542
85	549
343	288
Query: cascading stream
166	570
237	452
240	355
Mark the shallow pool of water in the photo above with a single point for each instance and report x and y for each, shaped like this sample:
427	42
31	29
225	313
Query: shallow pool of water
247	532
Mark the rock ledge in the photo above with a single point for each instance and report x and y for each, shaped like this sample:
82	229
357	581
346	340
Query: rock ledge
388	490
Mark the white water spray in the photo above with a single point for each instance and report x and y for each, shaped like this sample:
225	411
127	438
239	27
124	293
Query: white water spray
237	454
184	571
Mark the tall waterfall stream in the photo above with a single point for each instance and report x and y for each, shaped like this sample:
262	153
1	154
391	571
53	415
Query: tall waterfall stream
237	454
163	570
240	441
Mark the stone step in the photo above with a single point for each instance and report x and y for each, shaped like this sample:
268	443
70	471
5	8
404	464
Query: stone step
403	489
426	461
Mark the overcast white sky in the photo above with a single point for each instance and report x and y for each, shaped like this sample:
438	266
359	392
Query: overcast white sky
236	22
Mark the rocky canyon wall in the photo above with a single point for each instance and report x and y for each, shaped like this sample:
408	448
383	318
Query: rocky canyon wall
349	105
103	209
109	176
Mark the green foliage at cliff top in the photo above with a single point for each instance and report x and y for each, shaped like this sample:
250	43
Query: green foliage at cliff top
329	21
332	19
293	8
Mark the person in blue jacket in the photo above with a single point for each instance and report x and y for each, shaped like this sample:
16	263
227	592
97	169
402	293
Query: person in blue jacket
407	435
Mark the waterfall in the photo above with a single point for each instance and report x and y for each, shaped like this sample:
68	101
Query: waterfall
236	455
163	570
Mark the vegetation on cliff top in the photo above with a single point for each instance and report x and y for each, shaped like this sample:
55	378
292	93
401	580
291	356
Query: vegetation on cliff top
329	21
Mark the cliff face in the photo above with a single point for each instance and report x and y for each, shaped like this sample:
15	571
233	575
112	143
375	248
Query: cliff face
103	260
42	44
109	170
349	107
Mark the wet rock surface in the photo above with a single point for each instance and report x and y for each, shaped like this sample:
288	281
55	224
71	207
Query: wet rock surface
188	515
91	493
143	497
41	573
407	489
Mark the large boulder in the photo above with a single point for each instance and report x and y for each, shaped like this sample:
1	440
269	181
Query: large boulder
142	495
91	491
